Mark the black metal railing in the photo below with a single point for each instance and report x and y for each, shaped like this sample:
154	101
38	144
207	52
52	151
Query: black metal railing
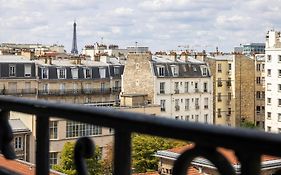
248	145
86	91
30	91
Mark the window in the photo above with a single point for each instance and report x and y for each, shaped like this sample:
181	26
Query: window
161	71
258	95
279	87
27	87
268	129
77	129
187	117
196	103
175	70
61	73
27	70
177	87
163	105
268	58
219	97
53	129
229	67
87	73
219	67
269	115
196	118
262	94
258	109
219	113
62	88
177	106
219	82
162	87
204	71
205	87
206	102
53	160
102	87
45	88
279	72
258	67
279	102
196	87
75	87
102	72
205	118
279	117
18	143
12	87
268	72
268	101
229	112
268	86
262	67
74	73
186	84
45	73
116	70
229	96
258	80
186	104
12	70
279	58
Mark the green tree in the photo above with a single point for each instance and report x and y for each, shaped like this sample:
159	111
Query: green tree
144	147
248	124
67	165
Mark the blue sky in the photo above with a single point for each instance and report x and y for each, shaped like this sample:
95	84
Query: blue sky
159	24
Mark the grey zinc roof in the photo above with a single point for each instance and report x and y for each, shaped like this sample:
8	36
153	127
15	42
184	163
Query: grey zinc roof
18	126
224	57
14	59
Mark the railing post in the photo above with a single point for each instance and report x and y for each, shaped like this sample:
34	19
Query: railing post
42	145
122	153
250	163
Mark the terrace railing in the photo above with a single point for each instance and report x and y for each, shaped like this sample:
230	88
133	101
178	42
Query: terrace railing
248	145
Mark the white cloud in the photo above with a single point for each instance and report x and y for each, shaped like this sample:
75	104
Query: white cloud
160	24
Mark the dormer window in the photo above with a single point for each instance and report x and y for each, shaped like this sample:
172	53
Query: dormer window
102	72
204	71
74	73
194	69
116	70
161	71
12	70
45	73
87	73
175	70
61	73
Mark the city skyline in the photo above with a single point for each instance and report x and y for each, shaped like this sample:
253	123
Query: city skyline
160	25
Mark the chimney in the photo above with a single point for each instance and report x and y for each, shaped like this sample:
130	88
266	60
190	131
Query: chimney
50	60
173	56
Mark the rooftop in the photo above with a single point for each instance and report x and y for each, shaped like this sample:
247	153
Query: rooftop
18	126
22	167
14	59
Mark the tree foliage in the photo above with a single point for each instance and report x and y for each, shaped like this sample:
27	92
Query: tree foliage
67	166
247	124
144	147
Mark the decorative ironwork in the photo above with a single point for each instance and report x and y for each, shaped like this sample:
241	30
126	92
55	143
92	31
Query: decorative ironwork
248	145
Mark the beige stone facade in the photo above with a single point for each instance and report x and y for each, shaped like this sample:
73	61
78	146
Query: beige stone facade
234	89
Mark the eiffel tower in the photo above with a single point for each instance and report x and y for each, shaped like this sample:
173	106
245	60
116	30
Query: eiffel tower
74	49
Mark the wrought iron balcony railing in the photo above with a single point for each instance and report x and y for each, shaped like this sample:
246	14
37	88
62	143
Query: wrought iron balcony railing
87	91
31	91
248	145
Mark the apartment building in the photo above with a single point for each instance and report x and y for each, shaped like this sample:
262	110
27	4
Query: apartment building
260	90
182	88
233	85
17	76
62	80
21	140
273	82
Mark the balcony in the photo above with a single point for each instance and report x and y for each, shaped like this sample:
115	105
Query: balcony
219	83
228	83
86	91
177	108
31	91
248	145
116	89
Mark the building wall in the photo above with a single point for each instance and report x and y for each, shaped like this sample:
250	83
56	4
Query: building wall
138	76
244	87
186	112
272	82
